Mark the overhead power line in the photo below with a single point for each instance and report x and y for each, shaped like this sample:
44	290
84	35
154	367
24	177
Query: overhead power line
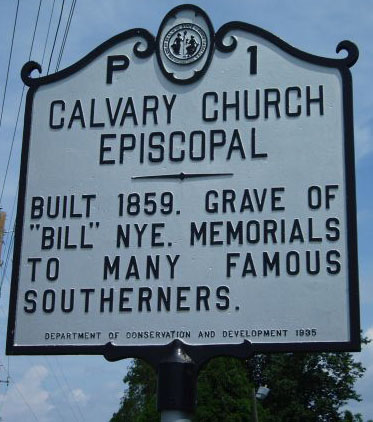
11	145
11	225
36	24
19	107
6	382
66	33
24	399
56	406
49	27
55	37
9	60
62	389
11	220
22	396
6	261
2	230
69	387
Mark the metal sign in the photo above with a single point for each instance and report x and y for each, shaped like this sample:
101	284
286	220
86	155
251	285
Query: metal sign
196	186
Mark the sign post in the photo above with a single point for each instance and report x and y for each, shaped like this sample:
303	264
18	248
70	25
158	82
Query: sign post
186	196
177	385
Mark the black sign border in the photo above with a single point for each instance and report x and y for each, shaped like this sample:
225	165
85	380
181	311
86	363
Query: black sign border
200	353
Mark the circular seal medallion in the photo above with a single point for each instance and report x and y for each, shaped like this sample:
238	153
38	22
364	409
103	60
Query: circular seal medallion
185	43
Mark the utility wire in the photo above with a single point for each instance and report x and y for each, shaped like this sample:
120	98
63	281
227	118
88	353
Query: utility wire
12	144
10	58
36	24
7	387
67	29
8	366
19	107
10	227
62	389
46	39
36	368
55	38
69	387
6	261
22	396
24	399
11	224
50	396
6	370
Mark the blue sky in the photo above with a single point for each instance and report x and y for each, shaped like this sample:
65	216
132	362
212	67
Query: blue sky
57	388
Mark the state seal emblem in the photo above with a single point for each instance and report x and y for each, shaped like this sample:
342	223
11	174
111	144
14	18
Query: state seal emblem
185	43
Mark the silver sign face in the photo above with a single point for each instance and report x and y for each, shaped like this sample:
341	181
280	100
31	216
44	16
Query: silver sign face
188	187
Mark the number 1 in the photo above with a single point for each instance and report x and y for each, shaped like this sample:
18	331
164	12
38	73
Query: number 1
253	50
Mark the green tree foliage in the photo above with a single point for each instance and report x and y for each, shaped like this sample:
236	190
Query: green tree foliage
305	387
349	417
139	401
224	392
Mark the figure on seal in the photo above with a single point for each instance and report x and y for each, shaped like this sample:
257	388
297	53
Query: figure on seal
192	46
176	45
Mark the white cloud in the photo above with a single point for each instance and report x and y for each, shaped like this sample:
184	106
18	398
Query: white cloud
78	396
25	394
369	333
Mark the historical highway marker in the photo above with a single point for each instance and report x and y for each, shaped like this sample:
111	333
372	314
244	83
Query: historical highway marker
196	186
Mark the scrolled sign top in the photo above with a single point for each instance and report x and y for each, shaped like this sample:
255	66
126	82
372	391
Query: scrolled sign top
192	39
